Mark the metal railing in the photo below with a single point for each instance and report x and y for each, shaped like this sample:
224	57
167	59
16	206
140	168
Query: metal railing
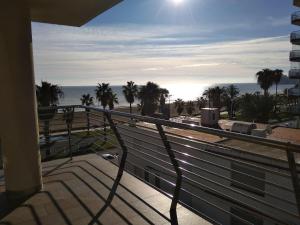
222	183
295	37
294	92
295	18
294	74
295	55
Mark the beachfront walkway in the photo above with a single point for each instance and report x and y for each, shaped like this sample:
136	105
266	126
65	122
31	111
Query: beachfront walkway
76	191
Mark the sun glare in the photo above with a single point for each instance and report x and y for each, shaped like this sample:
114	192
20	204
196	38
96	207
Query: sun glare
177	2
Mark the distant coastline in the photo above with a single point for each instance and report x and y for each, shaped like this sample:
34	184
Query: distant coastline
72	94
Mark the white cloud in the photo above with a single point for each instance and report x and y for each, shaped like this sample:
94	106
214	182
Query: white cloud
281	21
164	54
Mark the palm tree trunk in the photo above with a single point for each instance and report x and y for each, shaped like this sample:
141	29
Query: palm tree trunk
130	108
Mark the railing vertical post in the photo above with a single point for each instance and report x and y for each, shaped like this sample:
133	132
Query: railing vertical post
123	159
70	131
294	177
69	117
175	199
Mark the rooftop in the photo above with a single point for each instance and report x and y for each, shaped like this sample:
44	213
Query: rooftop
75	192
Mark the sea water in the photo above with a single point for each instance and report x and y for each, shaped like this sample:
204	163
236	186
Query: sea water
72	94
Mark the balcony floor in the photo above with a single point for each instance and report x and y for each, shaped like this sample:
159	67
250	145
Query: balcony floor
75	191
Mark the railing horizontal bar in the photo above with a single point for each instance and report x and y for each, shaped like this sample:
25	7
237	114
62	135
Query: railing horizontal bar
167	181
207	172
222	133
216	206
230	159
185	154
195	174
205	151
164	168
147	149
188	155
155	175
235	181
198	141
153	157
190	181
97	119
232	170
97	115
144	141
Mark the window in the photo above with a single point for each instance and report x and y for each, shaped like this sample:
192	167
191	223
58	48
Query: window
248	183
246	216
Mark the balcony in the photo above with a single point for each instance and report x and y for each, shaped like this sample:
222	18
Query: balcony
179	173
295	56
76	192
297	3
295	19
294	74
295	38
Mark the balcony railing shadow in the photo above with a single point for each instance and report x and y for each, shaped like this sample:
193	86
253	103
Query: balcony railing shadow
79	171
221	182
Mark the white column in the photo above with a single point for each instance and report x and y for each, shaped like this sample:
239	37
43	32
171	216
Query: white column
18	111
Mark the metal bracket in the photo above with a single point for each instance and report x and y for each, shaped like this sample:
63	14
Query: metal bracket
175	199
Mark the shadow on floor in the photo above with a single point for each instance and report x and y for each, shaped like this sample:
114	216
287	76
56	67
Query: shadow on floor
68	177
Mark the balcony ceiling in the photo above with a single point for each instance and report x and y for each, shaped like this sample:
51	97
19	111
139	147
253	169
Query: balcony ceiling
68	12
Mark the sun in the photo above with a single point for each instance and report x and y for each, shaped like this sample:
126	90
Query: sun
177	2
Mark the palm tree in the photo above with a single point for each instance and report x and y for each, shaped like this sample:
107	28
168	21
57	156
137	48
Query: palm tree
164	94
47	95
130	92
113	99
179	105
103	95
208	95
277	75
190	108
87	100
257	108
149	95
201	103
214	96
231	92
265	79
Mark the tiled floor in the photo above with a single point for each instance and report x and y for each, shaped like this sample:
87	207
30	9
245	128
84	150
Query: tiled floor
76	191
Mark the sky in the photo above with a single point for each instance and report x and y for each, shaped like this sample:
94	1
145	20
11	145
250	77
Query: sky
170	42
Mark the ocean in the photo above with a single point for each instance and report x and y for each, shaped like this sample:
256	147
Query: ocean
72	94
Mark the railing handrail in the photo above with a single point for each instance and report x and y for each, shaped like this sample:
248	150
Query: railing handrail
183	170
296	14
278	144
